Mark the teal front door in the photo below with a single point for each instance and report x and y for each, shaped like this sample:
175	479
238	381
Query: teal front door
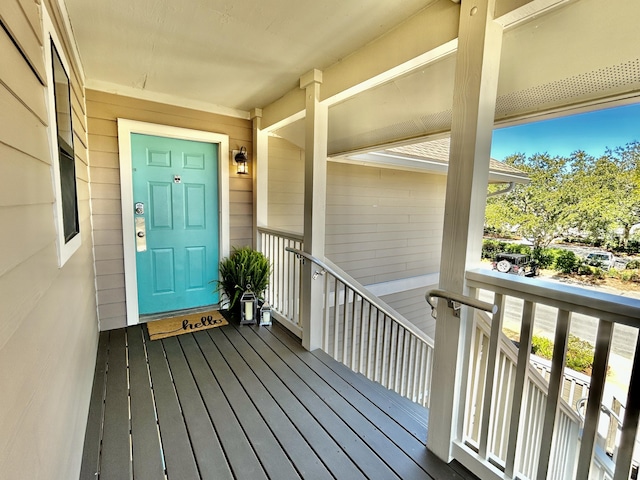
175	195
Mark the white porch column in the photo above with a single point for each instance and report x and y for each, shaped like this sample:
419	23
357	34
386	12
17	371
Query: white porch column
260	162
315	191
475	87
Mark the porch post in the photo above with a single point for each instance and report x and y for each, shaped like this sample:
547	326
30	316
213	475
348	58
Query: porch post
475	87
260	162
315	190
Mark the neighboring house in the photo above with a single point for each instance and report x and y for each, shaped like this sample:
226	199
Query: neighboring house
70	232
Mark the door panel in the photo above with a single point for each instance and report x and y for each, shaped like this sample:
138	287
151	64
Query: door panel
177	181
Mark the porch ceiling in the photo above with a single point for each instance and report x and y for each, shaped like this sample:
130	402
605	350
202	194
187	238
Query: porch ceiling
558	57
237	55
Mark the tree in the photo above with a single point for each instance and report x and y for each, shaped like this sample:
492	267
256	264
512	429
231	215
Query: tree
607	192
538	211
627	201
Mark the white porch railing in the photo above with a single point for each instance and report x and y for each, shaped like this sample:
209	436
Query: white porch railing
283	292
516	424
371	338
359	329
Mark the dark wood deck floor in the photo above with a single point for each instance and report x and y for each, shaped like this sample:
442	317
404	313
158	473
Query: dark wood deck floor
246	403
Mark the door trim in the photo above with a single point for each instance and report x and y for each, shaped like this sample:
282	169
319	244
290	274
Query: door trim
125	129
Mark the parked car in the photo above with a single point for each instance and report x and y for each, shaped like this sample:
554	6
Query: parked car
604	260
516	264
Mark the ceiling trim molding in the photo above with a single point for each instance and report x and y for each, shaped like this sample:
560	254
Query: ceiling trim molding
385	159
166	99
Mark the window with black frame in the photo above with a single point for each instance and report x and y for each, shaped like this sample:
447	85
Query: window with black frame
66	157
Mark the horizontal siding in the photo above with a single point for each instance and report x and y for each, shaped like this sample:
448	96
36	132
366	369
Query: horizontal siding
26	35
48	320
381	224
17	76
103	110
412	305
21	129
285	186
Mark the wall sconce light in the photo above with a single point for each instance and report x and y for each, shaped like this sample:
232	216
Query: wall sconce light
241	161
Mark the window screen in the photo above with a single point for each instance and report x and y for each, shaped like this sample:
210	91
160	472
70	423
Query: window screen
66	157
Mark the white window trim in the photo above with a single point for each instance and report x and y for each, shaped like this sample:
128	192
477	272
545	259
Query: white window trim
125	129
65	249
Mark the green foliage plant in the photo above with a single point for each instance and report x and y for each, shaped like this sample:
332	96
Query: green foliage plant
579	352
566	261
244	267
633	265
544	256
490	248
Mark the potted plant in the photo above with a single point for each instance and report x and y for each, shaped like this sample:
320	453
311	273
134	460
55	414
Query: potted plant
245	269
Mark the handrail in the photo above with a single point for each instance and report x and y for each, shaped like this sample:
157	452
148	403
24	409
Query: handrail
582	404
282	233
608	310
604	306
454	301
372	299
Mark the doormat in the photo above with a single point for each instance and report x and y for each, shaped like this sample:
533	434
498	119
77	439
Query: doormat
193	322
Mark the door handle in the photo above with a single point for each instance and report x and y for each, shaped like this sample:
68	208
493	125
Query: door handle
141	231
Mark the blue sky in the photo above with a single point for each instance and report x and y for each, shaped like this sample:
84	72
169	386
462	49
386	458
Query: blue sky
592	132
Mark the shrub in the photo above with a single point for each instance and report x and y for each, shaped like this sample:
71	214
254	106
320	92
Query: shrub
518	248
633	265
579	352
544	256
628	275
584	269
492	247
579	355
566	261
542	346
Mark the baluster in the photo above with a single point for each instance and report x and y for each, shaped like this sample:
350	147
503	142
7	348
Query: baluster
555	385
355	334
326	317
492	373
428	366
521	384
336	319
596	390
630	423
376	351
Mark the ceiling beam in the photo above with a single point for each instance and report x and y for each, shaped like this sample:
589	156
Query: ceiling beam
426	37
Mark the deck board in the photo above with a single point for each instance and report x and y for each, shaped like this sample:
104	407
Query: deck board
115	436
247	368
294	375
382	458
236	445
335	459
246	402
204	439
265	444
93	432
179	457
145	442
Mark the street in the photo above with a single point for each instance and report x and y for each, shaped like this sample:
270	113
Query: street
585	328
